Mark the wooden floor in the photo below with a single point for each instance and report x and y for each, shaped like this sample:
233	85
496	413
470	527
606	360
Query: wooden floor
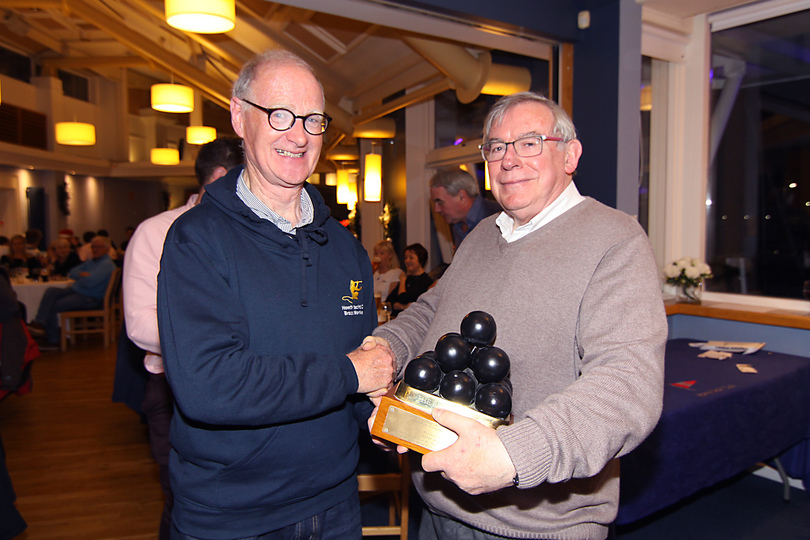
80	463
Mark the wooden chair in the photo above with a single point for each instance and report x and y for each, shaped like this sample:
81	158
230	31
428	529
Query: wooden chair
397	487
94	321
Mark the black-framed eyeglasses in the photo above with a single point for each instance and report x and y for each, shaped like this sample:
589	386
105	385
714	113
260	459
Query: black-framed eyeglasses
529	146
283	119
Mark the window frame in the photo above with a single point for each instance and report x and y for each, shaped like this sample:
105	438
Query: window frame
679	168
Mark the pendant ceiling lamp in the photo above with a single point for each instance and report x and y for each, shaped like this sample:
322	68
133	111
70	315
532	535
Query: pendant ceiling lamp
331	179
352	204
381	128
346	188
372	183
165	156
200	134
343	153
172	98
646	98
75	133
201	16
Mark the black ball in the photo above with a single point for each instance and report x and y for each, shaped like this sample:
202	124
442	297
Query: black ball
452	352
457	386
423	373
490	364
478	328
493	399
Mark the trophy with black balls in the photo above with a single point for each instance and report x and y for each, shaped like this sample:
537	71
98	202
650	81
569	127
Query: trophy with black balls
464	374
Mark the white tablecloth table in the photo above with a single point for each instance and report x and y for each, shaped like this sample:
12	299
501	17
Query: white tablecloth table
30	292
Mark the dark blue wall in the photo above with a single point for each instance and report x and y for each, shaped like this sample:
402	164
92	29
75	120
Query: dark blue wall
596	67
553	19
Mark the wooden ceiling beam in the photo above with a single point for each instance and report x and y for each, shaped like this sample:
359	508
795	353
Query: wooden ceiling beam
217	90
92	62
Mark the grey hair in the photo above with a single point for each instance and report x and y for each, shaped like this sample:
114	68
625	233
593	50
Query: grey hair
454	180
271	59
563	125
102	240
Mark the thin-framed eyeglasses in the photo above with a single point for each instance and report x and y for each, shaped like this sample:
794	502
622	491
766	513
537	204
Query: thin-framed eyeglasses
283	119
528	146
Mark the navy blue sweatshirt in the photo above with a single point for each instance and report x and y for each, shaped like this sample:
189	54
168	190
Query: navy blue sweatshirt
255	325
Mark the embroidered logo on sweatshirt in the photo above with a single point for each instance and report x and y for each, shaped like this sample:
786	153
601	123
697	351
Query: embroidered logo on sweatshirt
354	288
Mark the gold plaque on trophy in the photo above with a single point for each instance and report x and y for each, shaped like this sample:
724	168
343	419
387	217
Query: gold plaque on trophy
404	417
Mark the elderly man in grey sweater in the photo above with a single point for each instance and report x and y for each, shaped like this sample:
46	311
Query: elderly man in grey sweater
574	289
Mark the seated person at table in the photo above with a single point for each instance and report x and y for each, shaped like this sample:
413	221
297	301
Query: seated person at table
388	272
18	256
414	282
92	278
33	238
63	258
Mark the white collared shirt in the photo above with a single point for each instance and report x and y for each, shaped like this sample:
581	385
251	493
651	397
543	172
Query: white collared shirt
569	198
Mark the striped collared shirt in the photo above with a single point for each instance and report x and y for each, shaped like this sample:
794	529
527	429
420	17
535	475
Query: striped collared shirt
264	212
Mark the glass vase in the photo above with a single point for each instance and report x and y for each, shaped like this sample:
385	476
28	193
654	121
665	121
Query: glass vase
690	294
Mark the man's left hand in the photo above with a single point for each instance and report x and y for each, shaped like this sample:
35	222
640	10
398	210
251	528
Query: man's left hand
477	462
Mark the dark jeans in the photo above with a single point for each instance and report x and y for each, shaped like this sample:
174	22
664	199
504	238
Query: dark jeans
57	300
341	522
158	407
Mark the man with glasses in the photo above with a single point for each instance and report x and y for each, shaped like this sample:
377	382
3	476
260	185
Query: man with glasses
263	302
574	290
455	195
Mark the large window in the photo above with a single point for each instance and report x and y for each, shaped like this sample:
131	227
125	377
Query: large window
15	65
758	199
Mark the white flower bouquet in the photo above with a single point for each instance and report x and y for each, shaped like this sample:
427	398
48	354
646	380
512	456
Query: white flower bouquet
687	272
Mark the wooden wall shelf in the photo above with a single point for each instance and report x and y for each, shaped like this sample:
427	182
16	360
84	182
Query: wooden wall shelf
742	313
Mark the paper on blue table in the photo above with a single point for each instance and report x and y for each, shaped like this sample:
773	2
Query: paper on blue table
744	347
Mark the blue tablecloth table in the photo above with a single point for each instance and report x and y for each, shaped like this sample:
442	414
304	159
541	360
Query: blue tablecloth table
716	423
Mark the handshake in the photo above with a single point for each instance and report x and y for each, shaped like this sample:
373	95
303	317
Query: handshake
375	366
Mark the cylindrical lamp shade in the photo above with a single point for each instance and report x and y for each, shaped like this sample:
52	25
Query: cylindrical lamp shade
381	128
646	98
504	80
201	16
200	134
75	133
331	179
165	156
172	98
344	188
372	185
352	192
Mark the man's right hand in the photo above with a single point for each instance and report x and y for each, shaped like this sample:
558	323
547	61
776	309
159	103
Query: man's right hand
375	366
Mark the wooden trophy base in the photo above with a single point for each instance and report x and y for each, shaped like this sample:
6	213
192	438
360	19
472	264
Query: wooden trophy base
404	417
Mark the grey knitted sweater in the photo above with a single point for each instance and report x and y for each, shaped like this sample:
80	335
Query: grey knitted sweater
579	312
